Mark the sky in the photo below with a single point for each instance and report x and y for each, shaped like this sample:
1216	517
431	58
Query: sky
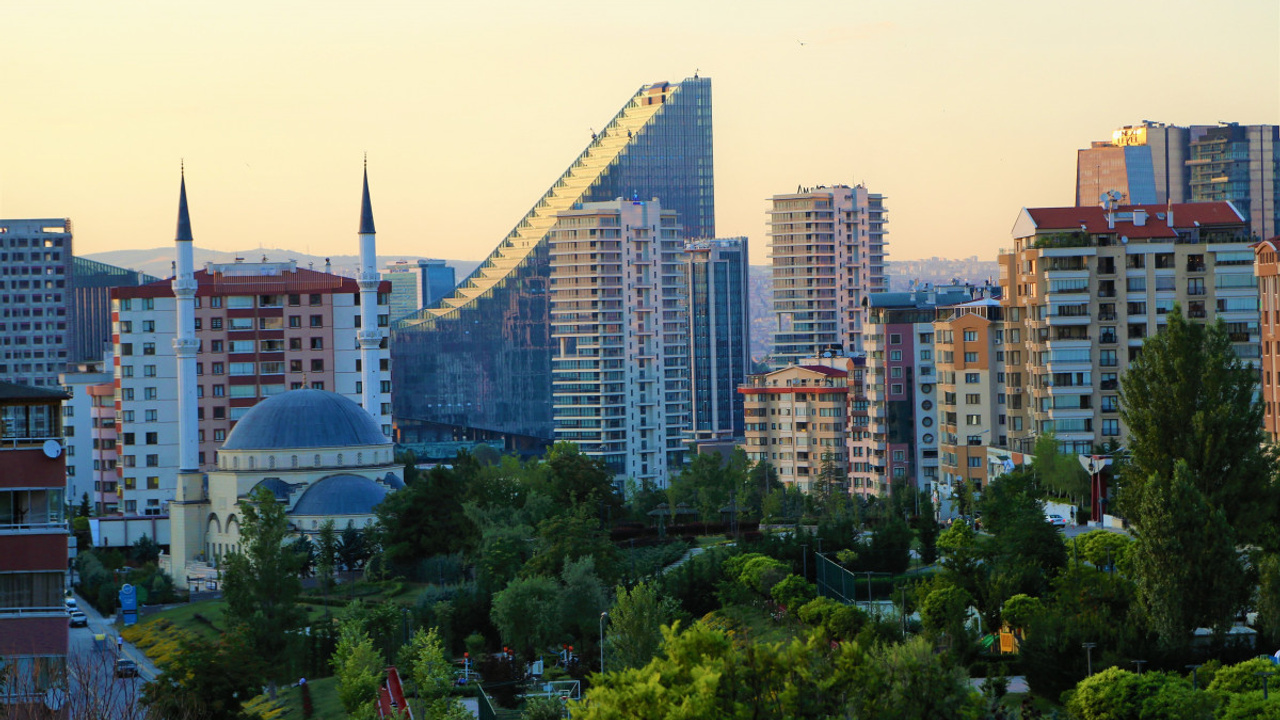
960	113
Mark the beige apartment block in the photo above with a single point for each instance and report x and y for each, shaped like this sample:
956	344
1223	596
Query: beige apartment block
1267	270
972	402
1085	286
797	420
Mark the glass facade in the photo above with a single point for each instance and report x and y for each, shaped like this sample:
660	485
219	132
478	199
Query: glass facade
719	332
478	366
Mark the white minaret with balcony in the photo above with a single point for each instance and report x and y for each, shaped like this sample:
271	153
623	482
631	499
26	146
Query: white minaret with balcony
185	344
369	337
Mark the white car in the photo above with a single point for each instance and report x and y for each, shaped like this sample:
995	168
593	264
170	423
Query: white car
1056	520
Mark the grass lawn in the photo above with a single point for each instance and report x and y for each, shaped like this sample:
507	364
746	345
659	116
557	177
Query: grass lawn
758	626
324	701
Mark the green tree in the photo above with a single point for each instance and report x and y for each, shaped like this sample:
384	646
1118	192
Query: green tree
1185	564
358	668
574	479
144	551
326	554
206	680
1188	397
927	530
432	675
945	610
1268	604
1019	610
425	518
504	549
569	536
1058	472
353	549
1115	694
793	592
583	598
527	613
634	634
260	580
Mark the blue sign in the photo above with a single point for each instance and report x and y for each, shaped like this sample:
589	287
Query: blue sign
129	604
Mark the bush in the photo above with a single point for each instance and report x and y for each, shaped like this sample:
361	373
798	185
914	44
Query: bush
792	592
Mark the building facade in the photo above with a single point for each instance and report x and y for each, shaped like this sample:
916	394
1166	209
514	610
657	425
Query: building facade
827	246
1239	164
263	329
901	439
797	420
719	335
91	306
481	360
417	285
972	396
36	281
619	319
1266	266
33	543
1144	164
1082	287
89	429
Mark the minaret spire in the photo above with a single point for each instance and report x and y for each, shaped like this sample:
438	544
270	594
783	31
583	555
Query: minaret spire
369	337
185	343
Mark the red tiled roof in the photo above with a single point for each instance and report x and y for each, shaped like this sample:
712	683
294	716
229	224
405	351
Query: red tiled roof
207	284
824	370
1094	218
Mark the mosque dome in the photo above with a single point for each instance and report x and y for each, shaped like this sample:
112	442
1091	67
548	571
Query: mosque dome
300	419
343	494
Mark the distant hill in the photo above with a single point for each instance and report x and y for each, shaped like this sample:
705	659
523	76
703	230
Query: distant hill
158	261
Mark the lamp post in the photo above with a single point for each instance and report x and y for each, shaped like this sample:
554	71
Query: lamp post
1088	649
1195	681
1265	675
603	615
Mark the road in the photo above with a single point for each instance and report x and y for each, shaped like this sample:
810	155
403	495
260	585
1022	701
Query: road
95	691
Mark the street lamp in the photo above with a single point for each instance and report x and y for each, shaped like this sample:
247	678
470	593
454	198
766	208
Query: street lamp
1138	664
603	615
1088	649
1195	681
1265	675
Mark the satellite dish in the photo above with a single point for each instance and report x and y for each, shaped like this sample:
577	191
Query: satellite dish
1124	239
52	449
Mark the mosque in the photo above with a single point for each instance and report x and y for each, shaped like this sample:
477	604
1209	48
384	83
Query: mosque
321	455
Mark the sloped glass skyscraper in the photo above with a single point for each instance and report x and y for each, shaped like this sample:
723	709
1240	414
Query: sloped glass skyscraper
478	366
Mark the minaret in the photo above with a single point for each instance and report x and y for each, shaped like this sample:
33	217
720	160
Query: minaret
369	336
185	344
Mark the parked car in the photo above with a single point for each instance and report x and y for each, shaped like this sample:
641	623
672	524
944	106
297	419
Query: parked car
79	619
126	668
71	604
1056	520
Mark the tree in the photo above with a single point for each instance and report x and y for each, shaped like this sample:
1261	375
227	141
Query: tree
353	550
260	580
1056	471
573	479
1188	397
1115	694
206	680
1019	610
569	536
1185	564
425	518
1268	604
793	592
635	625
432	676
145	550
927	530
527	613
583	598
305	550
945	610
358	668
326	553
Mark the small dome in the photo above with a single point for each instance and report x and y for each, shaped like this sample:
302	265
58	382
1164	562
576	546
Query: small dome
278	487
341	495
305	419
392	481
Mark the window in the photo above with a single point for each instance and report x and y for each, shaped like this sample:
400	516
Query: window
153	483
149	393
126	371
972	398
126	348
317	343
896	372
218	368
926	354
219	413
219	435
242	346
149	348
926	338
295	343
895	339
971	357
895	355
295	366
148	371
215	302
215	346
975	462
1110	403
215	323
153	438
971	336
318	385
295	300
1110	427
153	461
972	378
244	368
1195	286
314	299
128	438
317	321
972	420
295	321
199	368
317	365
241	323
219	390
150	416
1107	358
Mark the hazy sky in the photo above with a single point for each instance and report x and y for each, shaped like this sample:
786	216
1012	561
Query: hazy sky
960	112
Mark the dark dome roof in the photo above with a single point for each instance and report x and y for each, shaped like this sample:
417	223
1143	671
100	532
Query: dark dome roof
340	495
393	482
304	419
278	487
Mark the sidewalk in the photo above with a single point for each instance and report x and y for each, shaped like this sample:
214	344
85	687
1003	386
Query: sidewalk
98	624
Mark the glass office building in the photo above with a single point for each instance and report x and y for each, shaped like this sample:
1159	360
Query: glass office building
719	334
478	365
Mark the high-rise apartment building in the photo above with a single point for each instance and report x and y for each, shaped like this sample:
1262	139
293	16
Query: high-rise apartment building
902	438
1154	163
1241	165
1266	267
33	545
973	404
619	320
798	421
92	282
35	292
1084	286
417	285
719	334
89	427
828	251
478	366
